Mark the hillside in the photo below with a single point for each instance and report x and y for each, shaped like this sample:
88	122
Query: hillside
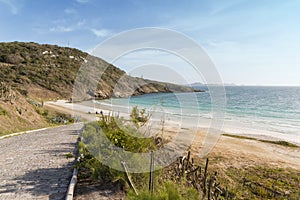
48	71
32	73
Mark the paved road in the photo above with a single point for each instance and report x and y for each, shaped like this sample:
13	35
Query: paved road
34	165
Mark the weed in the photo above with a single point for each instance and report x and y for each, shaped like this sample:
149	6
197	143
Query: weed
3	111
282	143
69	155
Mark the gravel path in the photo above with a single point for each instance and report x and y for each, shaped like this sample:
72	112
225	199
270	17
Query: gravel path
34	165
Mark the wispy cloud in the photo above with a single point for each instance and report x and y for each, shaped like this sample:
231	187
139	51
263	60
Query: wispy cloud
12	5
101	32
61	29
223	6
70	11
80	23
82	1
219	43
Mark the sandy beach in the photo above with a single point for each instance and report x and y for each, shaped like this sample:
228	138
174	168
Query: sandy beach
228	151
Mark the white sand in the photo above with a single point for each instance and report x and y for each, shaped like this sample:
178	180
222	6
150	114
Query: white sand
88	110
237	152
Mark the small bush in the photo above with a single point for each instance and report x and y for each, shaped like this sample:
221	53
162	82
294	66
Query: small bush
139	116
23	92
69	155
3	111
166	191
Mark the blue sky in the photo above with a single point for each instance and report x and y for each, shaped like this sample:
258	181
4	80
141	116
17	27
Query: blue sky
253	42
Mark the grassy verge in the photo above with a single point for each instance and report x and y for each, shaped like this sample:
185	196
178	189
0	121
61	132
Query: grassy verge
262	182
280	142
52	117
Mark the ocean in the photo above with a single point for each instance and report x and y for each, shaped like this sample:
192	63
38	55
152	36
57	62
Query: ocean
268	111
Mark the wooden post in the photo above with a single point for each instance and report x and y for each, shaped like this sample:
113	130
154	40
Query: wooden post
183	166
209	188
102	115
204	179
151	178
128	177
188	160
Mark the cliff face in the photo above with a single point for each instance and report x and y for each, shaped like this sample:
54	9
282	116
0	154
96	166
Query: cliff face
50	71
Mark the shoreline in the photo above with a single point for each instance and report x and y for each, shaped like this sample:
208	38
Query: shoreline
88	109
230	149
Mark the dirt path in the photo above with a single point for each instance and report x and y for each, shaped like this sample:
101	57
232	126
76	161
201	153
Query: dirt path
34	165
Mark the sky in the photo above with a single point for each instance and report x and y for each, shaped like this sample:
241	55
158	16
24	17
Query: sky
254	42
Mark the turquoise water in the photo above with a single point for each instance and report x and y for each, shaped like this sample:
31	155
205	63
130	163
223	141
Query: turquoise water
274	109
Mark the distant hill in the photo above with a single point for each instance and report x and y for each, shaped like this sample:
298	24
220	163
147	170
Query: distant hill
199	84
48	71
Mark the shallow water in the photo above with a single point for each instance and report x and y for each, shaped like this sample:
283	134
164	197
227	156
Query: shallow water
249	110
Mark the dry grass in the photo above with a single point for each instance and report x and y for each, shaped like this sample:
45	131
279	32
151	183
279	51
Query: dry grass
280	142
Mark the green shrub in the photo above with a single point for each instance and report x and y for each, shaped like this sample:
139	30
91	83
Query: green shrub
103	136
3	111
69	155
166	191
98	141
23	92
119	134
139	116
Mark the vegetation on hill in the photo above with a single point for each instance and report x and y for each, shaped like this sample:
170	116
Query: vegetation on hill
47	71
18	113
32	68
31	73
